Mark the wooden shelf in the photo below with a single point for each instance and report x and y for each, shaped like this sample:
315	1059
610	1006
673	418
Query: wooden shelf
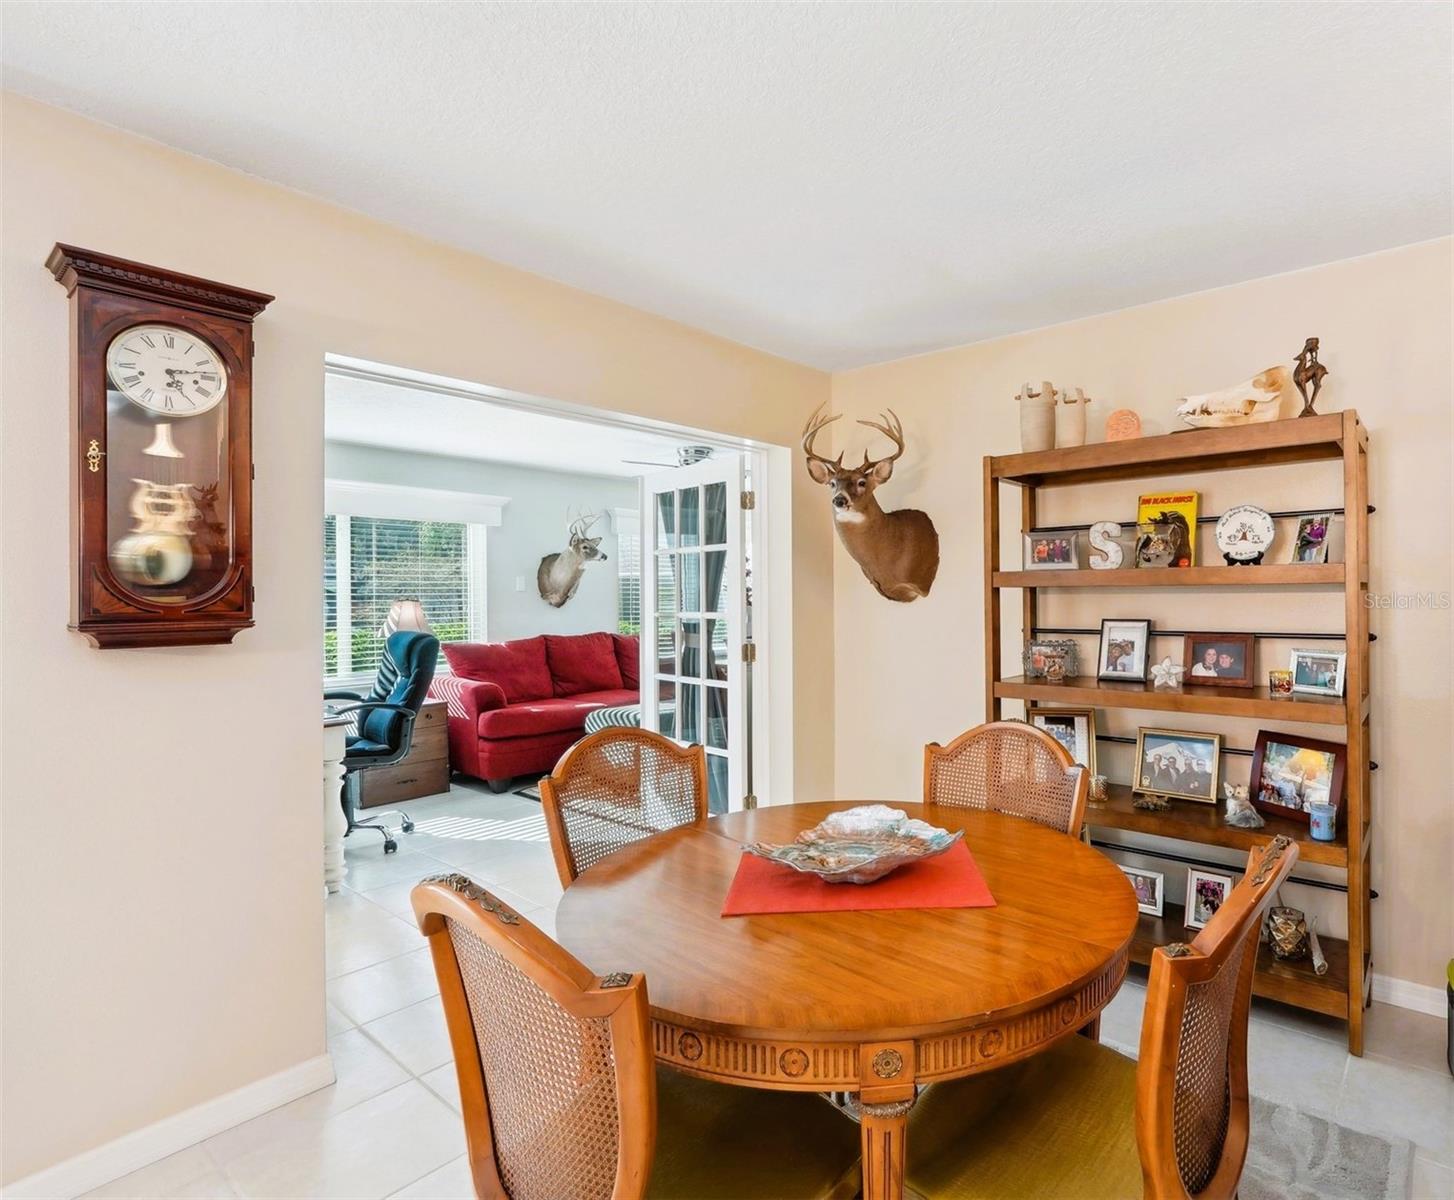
1191	698
1289	982
1271	575
1338	439
1189	821
1295	440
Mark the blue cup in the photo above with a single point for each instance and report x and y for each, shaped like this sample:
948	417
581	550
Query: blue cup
1324	821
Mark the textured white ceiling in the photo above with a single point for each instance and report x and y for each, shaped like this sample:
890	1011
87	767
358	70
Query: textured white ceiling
839	184
391	416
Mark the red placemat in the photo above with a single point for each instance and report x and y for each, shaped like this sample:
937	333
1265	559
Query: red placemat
949	880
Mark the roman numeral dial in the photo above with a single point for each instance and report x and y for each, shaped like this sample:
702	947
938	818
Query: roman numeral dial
166	370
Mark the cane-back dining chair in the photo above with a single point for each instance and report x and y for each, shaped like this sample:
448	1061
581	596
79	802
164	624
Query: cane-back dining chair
559	1092
1081	1120
1009	767
616	787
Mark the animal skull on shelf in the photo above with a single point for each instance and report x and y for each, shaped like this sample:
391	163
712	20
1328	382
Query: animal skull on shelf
560	573
898	552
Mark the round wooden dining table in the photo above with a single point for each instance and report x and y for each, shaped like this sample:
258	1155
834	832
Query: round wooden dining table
874	1003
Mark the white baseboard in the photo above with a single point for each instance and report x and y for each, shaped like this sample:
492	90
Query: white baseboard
142	1147
1404	993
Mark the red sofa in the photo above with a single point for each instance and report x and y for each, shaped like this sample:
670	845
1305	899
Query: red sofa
515	707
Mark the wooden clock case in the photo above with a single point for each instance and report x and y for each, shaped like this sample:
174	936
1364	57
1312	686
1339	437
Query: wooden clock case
109	295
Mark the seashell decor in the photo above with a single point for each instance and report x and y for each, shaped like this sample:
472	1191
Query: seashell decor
860	845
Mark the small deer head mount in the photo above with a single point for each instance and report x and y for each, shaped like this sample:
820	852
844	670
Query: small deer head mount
560	573
898	552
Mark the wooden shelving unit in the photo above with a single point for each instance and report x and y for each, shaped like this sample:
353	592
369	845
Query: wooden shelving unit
1345	990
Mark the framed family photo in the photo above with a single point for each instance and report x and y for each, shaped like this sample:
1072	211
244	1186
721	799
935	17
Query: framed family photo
1123	650
1150	889
1172	762
1318	672
1073	728
1037	650
1291	773
1310	545
1052	551
1220	659
1206	891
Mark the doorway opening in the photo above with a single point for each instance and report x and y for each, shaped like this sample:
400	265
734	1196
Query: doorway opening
512	518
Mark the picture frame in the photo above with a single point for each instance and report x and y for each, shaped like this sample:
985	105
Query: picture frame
1290	773
1206	892
1178	762
1124	650
1310	543
1149	887
1057	550
1233	659
1318	672
1073	728
1034	663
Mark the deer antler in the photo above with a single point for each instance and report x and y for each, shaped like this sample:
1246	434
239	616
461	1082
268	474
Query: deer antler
892	429
816	424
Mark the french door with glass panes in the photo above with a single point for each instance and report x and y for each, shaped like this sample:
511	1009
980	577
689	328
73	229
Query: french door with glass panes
693	683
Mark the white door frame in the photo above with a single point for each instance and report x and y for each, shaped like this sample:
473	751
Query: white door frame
771	532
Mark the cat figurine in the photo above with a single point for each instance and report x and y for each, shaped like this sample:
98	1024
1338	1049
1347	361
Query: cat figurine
1239	809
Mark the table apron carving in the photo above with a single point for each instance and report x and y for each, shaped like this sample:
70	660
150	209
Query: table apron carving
818	1066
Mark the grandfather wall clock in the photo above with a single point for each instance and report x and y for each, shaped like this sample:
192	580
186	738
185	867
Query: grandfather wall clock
161	473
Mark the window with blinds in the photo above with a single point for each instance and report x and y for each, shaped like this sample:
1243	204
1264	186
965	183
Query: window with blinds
369	562
628	574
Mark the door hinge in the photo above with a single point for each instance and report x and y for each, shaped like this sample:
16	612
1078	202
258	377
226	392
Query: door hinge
749	652
749	500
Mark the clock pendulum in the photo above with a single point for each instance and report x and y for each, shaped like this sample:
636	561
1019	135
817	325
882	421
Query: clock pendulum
158	550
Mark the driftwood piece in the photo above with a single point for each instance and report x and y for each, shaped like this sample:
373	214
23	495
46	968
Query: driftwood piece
1309	372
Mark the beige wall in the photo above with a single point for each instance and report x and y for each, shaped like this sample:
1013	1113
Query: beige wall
162	916
910	673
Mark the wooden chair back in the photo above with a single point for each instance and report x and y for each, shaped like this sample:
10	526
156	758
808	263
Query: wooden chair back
616	787
556	1076
1191	1083
1010	767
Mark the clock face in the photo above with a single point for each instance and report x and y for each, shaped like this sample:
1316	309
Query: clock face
165	370
1244	532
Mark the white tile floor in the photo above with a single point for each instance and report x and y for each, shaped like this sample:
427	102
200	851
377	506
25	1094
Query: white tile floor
390	1125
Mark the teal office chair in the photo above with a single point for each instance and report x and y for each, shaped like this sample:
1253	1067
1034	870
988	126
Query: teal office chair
384	722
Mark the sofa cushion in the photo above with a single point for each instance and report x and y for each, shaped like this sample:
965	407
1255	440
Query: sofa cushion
628	658
583	663
555	715
519	668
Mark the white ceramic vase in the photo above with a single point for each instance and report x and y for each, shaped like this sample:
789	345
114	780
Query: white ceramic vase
1070	419
1037	418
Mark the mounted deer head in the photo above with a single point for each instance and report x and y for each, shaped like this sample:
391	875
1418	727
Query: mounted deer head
898	552
560	574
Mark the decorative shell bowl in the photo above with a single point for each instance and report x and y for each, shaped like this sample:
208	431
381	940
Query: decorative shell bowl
860	845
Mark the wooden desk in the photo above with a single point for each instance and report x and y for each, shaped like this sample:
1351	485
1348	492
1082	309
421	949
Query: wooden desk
871	1003
424	771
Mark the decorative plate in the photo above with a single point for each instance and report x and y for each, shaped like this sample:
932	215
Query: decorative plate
860	845
1244	533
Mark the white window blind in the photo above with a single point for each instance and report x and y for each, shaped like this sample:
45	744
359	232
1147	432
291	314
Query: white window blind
628	573
369	562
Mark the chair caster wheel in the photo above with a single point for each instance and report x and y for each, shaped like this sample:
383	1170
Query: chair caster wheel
390	846
408	826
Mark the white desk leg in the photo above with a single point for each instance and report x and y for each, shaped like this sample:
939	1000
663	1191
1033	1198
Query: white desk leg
334	824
